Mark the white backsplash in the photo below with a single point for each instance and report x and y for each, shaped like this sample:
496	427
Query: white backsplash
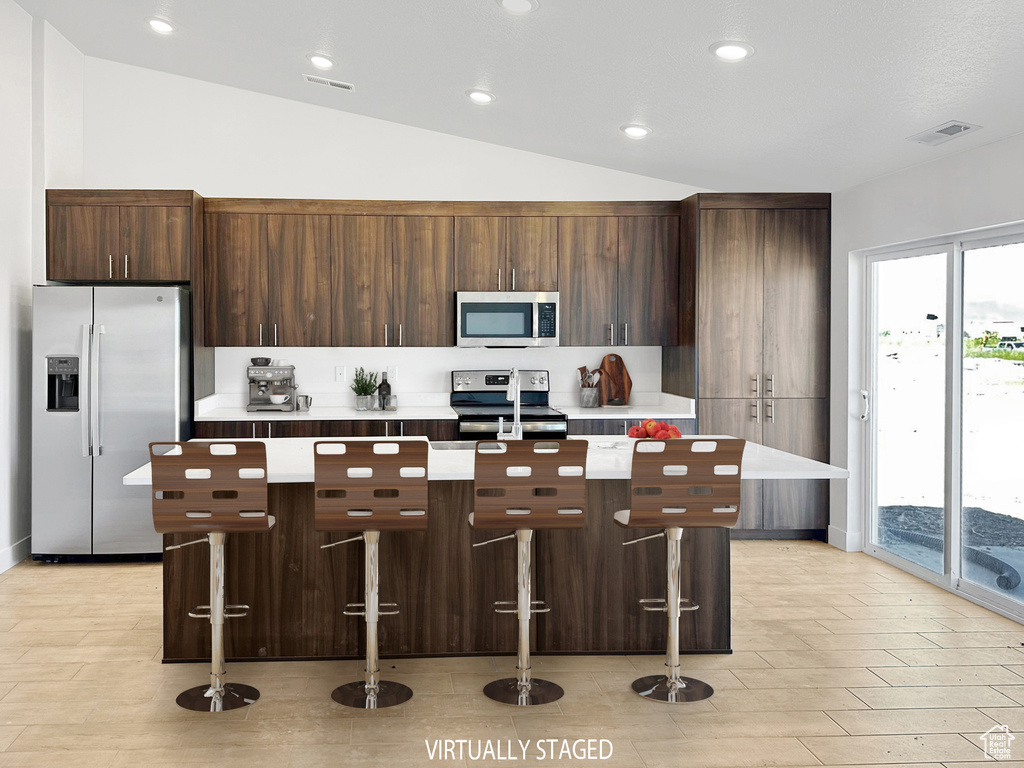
424	373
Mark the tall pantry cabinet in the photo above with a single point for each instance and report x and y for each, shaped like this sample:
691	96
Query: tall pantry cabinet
760	324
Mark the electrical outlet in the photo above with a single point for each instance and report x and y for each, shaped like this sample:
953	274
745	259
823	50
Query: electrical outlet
392	373
340	373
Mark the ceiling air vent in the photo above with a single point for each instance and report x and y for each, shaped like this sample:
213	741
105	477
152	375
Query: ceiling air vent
317	80
943	133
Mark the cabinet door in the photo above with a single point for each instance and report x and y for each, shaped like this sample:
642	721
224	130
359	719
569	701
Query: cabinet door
598	427
797	426
480	254
796	303
588	265
210	430
236	279
730	298
82	242
649	280
432	429
533	253
156	243
299	272
424	285
738	418
354	428
361	281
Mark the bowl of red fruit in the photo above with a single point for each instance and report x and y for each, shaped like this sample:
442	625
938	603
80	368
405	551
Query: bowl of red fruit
658	430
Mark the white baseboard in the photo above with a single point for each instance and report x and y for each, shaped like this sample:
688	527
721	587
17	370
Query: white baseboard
14	554
845	540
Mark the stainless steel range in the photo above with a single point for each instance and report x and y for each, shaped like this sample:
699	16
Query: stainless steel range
479	397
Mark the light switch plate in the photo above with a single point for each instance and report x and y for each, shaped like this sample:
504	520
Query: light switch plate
392	373
340	373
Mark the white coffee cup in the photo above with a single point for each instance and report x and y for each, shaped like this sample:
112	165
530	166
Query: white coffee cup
280	399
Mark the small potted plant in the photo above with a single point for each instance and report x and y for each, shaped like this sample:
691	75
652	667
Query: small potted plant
364	386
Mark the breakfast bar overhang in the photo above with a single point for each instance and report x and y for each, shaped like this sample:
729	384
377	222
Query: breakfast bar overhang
444	586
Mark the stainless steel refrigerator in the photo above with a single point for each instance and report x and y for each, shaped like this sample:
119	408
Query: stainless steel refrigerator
110	374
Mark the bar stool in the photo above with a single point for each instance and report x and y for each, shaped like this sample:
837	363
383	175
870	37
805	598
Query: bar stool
678	484
215	489
370	486
527	486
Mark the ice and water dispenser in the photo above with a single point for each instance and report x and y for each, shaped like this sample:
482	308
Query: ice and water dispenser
61	383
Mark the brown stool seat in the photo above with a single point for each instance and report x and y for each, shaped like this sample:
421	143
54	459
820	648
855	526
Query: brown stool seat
678	484
370	486
213	488
527	485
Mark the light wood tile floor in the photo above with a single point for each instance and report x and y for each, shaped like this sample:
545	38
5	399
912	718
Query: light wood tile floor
839	660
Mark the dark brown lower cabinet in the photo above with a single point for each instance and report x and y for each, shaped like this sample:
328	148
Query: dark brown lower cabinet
433	429
445	586
620	426
776	508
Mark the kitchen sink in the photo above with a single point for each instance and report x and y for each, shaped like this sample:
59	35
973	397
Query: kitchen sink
453	445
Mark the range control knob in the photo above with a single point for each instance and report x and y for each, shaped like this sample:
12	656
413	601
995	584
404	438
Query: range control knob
533	379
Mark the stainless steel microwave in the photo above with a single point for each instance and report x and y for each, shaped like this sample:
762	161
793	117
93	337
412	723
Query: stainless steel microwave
506	319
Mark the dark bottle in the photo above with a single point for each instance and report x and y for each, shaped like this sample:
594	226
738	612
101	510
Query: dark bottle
384	390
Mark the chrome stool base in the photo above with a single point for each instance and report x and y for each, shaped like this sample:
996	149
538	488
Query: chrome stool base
235	696
388	694
507	691
686	689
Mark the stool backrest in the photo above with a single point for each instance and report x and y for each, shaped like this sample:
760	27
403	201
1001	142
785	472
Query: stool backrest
209	487
364	485
530	484
685	483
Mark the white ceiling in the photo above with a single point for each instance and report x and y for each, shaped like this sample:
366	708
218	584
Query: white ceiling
827	101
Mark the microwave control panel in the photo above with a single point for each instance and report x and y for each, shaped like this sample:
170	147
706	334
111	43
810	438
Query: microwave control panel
546	321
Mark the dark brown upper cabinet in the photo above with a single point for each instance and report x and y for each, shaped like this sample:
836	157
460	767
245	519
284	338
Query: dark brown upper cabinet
236	279
362	270
299	271
424	285
618	280
648	305
498	253
588	269
119	235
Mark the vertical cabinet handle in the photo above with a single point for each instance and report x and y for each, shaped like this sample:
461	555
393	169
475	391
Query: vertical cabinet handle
611	334
513	278
275	334
110	265
769	409
755	412
757	385
254	430
385	334
770	384
126	266
625	334
270	431
261	342
401	428
499	278
400	335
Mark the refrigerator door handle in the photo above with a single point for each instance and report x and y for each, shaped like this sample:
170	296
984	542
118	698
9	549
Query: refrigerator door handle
94	390
86	414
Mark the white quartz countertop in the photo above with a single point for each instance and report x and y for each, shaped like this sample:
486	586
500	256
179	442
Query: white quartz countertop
290	460
330	413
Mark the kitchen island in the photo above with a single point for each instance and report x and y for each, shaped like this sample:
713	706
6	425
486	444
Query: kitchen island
443	584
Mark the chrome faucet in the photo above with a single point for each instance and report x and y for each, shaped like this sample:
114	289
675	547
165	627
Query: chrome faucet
512	393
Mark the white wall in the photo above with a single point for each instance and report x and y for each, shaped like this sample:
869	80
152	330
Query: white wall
969	190
145	129
15	275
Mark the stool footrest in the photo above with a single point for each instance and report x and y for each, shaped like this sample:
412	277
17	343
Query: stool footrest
349	609
200	612
660	605
389	613
230	612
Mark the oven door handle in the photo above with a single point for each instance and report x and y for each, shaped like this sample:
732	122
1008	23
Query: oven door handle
528	426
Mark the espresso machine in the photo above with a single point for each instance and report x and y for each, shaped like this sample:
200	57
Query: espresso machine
271	387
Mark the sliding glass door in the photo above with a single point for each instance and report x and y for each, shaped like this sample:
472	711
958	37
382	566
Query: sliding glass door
992	483
909	404
946	402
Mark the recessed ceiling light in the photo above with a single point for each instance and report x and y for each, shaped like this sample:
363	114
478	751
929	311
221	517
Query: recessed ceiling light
636	131
161	26
519	7
481	97
732	50
320	61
